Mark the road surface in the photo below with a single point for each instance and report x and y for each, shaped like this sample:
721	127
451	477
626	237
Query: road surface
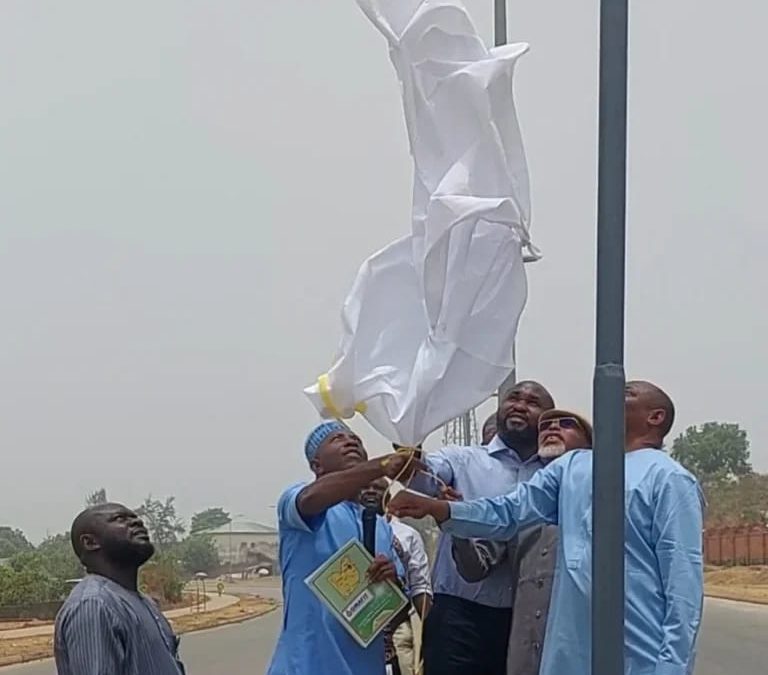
734	641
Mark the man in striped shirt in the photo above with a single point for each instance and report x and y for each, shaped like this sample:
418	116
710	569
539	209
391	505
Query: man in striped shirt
106	626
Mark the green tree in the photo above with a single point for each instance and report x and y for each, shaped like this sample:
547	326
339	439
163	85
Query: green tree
715	452
740	502
96	498
60	557
40	575
161	578
197	553
12	541
29	584
161	520
209	519
54	558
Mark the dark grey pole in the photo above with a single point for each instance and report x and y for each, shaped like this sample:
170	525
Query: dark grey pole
500	38
466	429
608	478
500	22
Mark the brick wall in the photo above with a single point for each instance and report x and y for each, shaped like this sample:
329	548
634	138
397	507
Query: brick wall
736	545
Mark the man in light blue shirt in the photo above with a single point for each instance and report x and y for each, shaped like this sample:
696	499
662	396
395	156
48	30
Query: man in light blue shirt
467	630
663	545
315	520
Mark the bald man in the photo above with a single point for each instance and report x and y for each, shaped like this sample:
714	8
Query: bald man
106	626
663	544
489	429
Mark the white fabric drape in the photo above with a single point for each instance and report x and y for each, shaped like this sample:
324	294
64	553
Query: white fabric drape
430	322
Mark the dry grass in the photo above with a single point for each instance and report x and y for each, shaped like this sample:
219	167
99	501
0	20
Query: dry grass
187	600
41	647
25	649
25	623
745	584
247	608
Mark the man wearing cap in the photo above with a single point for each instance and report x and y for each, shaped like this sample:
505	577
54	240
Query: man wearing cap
315	520
531	555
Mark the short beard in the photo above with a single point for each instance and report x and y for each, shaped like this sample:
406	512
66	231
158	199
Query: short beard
517	439
129	553
552	450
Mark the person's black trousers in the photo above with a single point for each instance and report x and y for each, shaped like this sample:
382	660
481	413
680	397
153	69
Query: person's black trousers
465	638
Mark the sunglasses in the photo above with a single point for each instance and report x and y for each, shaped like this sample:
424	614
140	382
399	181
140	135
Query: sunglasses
559	423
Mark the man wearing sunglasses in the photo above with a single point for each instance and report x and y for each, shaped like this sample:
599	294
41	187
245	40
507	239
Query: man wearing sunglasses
663	544
531	555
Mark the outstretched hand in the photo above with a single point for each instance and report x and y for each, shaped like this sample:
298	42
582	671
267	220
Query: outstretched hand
382	569
406	504
401	465
450	494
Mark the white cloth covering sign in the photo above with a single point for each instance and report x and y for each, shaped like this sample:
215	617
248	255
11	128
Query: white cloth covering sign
430	322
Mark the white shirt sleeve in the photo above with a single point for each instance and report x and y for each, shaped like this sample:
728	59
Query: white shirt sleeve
418	574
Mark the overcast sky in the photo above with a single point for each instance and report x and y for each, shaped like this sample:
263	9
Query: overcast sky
187	189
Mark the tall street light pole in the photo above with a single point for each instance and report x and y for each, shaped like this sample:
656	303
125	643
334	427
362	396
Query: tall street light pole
500	38
609	378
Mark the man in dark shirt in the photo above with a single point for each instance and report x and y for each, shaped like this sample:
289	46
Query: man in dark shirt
531	555
106	626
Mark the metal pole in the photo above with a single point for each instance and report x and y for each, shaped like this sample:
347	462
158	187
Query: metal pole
609	380
500	38
466	431
500	22
511	380
230	550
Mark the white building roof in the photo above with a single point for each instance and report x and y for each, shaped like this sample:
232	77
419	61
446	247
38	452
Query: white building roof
244	527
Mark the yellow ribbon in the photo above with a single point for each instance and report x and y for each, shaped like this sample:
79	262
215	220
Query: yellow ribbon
324	386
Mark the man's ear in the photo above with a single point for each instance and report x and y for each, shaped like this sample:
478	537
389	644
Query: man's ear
89	542
317	469
657	417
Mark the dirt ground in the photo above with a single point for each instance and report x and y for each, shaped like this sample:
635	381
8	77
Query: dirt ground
41	647
746	584
187	600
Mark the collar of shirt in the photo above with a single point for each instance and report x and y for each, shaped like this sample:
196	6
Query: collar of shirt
497	445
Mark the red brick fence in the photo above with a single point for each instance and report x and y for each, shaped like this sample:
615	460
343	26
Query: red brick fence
736	545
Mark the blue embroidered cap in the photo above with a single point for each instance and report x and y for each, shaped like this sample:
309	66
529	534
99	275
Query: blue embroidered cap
319	434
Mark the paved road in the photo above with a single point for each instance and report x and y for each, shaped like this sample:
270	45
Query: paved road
734	641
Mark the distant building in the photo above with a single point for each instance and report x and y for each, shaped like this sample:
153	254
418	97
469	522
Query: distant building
246	543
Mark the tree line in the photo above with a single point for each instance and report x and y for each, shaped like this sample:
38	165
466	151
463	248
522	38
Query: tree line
45	573
718	454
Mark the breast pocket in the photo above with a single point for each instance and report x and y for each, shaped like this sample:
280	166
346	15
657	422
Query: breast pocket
575	543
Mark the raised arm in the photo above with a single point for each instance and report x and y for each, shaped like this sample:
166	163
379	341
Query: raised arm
441	463
333	488
677	532
499	518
